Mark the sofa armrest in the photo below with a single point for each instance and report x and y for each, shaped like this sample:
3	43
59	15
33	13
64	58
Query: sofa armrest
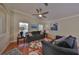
75	45
67	51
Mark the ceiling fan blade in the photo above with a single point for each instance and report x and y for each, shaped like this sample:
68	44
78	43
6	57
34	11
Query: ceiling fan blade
35	14
44	13
46	4
40	9
44	16
37	10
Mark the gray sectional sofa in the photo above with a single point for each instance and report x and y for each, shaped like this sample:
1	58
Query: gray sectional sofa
54	49
35	36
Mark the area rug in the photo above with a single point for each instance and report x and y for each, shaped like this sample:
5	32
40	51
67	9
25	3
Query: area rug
14	51
23	45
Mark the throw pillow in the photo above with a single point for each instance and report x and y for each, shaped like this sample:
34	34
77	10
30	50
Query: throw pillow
70	40
30	34
59	40
58	36
63	44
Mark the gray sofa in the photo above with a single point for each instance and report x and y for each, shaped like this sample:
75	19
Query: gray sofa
53	49
35	36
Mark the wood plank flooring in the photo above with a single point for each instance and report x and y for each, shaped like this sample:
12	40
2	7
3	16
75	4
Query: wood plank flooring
14	45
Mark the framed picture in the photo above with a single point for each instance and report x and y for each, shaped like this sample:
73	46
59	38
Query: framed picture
35	26
54	27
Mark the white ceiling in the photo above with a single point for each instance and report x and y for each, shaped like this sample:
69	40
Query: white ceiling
56	10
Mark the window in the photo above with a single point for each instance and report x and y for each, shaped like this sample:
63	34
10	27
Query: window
40	27
23	27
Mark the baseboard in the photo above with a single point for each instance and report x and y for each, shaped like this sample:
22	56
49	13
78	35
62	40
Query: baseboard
13	41
4	48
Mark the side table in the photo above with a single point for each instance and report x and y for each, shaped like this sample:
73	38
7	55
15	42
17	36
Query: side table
18	39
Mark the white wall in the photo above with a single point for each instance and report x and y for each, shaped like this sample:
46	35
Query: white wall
67	26
10	27
18	16
4	36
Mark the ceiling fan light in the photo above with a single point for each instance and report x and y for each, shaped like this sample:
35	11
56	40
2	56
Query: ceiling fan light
40	15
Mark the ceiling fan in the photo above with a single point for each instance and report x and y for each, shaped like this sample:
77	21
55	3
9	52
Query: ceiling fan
40	14
46	4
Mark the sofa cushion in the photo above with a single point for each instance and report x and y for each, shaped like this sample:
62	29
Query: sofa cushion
67	43
70	40
35	32
58	36
30	34
58	40
63	44
35	35
50	49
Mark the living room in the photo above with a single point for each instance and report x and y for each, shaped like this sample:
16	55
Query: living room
56	20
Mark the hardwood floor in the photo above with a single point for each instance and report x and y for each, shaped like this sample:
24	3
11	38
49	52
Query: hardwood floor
22	47
14	45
